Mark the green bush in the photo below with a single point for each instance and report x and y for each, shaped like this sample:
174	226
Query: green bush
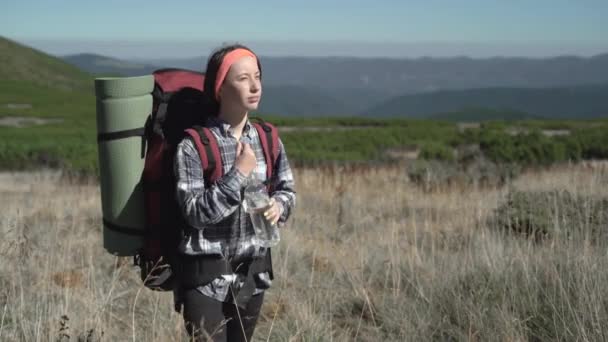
593	142
529	148
437	151
432	174
552	214
486	173
435	174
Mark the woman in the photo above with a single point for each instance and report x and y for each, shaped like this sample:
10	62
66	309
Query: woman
216	226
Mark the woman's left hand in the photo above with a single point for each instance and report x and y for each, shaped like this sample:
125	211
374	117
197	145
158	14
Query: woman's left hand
273	213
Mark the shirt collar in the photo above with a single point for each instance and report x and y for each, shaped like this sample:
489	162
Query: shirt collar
226	129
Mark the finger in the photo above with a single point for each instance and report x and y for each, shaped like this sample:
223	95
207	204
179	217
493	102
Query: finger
267	213
270	212
239	148
270	206
273	217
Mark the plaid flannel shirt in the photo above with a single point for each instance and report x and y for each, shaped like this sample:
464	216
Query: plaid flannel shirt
218	224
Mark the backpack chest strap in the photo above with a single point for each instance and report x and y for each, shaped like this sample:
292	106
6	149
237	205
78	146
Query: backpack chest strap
269	137
208	151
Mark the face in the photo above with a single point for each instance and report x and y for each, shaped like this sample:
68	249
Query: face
242	87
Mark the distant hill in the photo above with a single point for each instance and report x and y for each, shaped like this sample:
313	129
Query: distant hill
102	65
560	87
22	63
193	63
29	70
289	100
370	85
574	102
415	75
301	101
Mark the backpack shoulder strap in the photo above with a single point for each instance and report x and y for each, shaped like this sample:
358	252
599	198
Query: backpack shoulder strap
209	152
269	137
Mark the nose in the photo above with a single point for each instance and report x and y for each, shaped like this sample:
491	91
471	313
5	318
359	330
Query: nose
254	86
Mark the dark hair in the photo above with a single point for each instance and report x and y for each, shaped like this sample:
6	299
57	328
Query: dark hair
213	66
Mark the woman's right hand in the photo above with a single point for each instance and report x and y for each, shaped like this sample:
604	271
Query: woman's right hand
245	158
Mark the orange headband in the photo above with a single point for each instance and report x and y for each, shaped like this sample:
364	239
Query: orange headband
227	62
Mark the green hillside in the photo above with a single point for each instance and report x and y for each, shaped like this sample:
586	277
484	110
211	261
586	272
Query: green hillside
68	141
21	63
36	86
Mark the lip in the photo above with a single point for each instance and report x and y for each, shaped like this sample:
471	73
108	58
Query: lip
253	99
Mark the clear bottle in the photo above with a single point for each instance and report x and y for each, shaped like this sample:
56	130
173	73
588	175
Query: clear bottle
256	202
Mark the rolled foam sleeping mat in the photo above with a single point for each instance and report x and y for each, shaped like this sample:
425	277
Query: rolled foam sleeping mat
120	87
121	150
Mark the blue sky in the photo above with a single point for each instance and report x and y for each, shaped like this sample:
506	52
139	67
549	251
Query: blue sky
314	27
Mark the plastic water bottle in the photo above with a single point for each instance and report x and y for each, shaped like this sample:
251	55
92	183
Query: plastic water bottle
256	203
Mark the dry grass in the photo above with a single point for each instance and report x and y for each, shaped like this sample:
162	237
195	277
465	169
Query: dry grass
367	256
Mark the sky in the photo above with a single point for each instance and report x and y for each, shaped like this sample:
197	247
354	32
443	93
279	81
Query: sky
389	28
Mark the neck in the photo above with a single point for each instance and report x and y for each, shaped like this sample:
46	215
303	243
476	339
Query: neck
236	119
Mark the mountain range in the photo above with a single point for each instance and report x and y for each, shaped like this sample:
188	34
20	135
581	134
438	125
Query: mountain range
558	87
589	101
427	74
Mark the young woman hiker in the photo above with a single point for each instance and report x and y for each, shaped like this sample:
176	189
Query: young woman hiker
223	272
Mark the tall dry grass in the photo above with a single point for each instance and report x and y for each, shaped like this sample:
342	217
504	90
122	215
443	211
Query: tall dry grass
367	256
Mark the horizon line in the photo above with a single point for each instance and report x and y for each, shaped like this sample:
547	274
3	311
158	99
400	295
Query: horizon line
151	50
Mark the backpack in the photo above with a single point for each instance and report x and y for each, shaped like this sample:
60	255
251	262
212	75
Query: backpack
178	111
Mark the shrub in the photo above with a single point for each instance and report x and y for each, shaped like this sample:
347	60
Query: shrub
479	171
551	214
432	174
437	151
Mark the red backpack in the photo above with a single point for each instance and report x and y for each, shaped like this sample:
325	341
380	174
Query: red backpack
178	111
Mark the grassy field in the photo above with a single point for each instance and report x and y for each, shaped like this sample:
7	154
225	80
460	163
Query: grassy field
459	229
70	142
367	256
